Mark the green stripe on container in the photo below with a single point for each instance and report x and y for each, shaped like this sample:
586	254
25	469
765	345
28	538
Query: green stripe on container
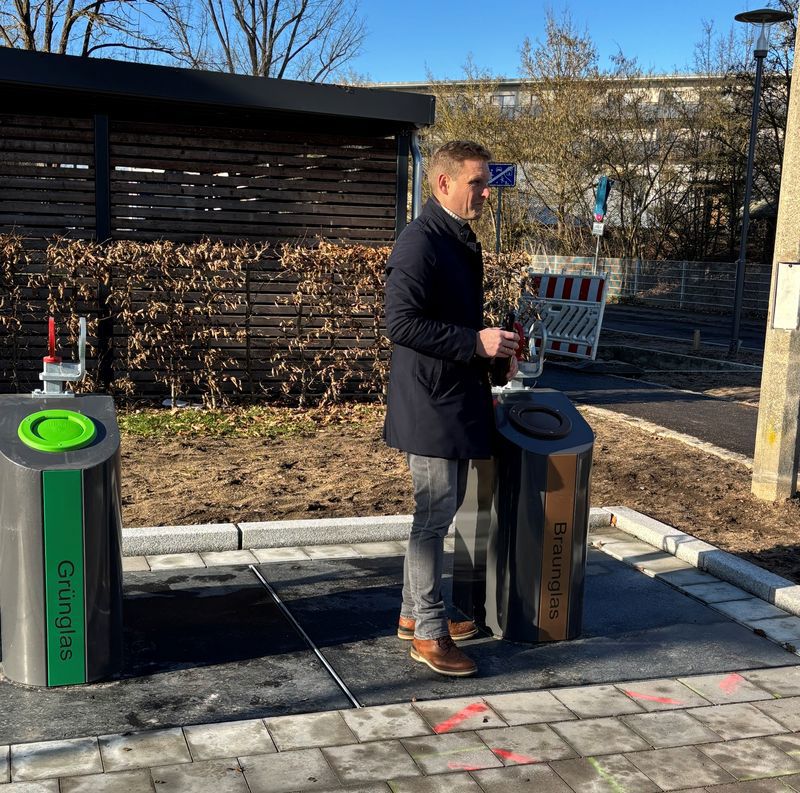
63	567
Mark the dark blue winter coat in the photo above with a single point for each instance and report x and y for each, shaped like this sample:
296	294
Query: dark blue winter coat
439	401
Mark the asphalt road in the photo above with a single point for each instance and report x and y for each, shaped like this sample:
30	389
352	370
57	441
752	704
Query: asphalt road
729	425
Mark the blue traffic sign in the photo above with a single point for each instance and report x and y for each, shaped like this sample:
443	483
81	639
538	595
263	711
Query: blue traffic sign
601	197
503	174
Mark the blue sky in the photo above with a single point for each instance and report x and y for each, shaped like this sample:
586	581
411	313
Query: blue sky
408	38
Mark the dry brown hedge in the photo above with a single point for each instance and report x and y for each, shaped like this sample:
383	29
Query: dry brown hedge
182	315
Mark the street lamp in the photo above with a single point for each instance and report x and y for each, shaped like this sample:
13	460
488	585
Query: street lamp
765	17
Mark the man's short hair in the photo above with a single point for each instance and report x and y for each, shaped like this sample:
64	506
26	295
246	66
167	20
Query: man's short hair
449	157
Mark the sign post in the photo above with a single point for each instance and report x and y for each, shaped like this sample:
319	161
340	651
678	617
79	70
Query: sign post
600	209
502	174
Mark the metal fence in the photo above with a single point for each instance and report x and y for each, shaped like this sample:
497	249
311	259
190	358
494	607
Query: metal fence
683	285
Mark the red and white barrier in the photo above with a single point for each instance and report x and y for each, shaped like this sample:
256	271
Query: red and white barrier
571	306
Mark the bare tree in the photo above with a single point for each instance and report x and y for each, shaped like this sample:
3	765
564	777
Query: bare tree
640	142
724	126
297	39
555	144
82	28
300	39
467	109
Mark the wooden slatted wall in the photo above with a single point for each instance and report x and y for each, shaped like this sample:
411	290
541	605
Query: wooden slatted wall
47	176
185	183
47	189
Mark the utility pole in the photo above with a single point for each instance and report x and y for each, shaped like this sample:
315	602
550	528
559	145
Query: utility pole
776	461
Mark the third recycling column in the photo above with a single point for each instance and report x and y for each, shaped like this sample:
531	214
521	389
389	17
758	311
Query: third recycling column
522	532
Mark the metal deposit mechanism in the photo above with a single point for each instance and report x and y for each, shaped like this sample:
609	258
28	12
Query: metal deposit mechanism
60	530
522	531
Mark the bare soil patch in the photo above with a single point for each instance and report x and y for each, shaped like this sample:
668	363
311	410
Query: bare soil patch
342	470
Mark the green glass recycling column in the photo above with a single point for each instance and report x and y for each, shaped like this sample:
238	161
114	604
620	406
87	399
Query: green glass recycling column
60	539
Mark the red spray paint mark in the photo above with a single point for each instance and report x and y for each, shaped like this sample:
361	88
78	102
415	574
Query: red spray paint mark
453	721
730	683
520	759
651	698
454	766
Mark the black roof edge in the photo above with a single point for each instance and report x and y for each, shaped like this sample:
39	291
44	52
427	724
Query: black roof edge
103	77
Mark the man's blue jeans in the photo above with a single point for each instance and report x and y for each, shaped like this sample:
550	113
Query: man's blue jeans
439	487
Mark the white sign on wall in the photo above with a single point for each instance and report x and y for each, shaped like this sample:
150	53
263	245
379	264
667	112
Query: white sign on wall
786	310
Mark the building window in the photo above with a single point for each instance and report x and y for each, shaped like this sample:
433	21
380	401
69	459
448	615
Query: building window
506	101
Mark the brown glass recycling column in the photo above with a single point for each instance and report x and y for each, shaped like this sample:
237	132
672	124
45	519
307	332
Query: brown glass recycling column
521	534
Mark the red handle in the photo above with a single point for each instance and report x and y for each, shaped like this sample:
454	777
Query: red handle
51	356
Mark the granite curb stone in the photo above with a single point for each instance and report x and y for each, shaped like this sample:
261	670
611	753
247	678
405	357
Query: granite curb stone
705	557
205	538
156	540
334	531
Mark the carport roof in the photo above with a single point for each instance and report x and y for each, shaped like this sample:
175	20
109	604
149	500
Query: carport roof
62	83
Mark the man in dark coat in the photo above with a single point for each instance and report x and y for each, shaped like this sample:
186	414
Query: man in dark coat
439	408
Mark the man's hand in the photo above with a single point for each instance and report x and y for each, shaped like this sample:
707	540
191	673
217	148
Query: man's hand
496	343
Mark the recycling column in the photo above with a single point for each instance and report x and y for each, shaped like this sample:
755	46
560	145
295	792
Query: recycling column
522	532
60	530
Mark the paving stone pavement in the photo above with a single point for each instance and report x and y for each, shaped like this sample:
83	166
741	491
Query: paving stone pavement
727	732
733	732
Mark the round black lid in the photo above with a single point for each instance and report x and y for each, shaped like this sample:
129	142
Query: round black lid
540	421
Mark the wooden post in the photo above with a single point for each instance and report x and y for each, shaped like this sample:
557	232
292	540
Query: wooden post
102	210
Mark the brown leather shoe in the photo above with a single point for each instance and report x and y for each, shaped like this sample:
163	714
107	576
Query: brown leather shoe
442	656
458	630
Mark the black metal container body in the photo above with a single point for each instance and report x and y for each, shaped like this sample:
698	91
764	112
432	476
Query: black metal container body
25	630
521	533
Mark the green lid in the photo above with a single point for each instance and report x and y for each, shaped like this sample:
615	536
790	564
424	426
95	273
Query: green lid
56	430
